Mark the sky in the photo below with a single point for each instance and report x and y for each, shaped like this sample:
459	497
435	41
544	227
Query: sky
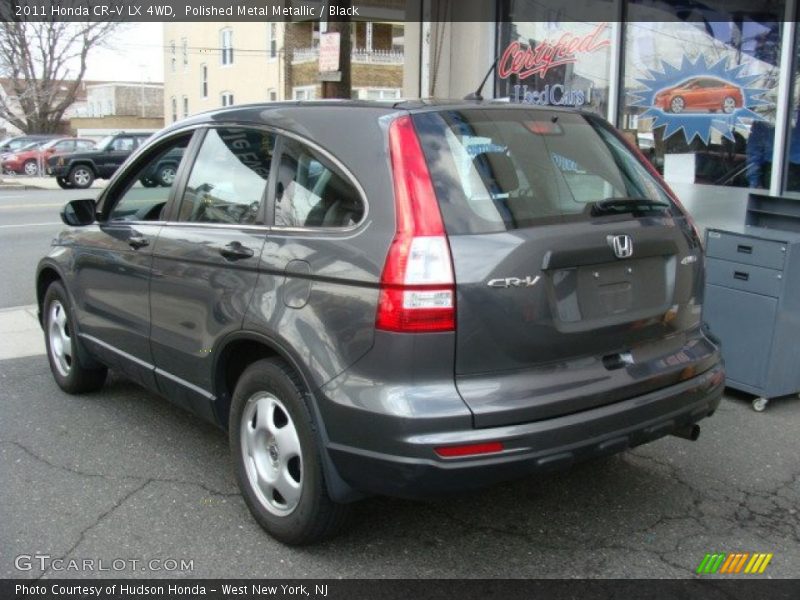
134	53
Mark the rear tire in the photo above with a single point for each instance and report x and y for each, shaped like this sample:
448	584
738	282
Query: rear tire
166	175
277	458
81	177
63	346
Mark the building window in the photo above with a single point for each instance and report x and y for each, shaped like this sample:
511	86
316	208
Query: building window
204	80
173	61
272	40
226	46
306	92
227	98
379	93
185	53
185	107
174	109
273	95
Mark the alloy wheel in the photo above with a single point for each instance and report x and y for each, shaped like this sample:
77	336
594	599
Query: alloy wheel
272	454
60	338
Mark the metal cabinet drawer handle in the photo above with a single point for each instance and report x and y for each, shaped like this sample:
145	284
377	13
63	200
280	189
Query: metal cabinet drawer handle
744	249
741	275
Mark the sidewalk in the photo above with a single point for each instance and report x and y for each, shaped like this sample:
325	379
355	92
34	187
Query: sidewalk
20	333
20	182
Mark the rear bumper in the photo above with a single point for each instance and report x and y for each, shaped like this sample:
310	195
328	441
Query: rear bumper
529	448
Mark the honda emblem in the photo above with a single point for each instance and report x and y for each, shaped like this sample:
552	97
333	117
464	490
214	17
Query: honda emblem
622	245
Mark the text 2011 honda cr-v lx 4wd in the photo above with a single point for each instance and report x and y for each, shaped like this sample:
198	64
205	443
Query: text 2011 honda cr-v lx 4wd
401	299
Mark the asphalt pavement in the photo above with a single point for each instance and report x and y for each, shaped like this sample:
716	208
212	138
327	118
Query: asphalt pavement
122	475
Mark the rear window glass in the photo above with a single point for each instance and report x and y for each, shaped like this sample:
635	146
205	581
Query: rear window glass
504	169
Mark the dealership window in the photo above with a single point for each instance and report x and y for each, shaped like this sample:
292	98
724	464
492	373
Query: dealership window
272	40
226	46
525	74
174	109
204	80
227	98
792	170
700	95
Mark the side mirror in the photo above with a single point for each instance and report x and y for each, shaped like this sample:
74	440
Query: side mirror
79	212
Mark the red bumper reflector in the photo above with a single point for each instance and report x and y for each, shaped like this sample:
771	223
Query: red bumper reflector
469	449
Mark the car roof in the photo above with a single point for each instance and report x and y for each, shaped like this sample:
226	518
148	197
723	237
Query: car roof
255	113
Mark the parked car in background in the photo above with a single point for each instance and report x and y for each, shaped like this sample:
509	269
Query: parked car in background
27	160
700	93
17	142
22	161
79	169
407	299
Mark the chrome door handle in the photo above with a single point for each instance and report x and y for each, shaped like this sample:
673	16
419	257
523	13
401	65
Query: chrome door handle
138	241
236	251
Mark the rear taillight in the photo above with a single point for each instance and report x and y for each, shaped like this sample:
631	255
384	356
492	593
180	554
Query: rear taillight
417	290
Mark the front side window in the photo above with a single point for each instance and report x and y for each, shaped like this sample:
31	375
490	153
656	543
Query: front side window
229	177
123	144
311	192
144	194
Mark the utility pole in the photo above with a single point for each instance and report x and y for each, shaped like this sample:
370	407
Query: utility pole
340	24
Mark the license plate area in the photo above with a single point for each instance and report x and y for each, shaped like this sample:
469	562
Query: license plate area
592	292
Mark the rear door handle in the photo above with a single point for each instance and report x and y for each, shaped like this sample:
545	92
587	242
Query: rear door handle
236	251
138	241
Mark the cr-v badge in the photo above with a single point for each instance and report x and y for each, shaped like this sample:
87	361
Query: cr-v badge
508	282
622	245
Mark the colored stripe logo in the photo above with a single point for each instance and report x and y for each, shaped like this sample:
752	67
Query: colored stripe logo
734	563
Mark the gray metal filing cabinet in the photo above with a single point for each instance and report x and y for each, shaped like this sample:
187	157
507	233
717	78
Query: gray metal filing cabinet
752	298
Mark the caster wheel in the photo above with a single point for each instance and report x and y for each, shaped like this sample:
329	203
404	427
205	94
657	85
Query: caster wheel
760	404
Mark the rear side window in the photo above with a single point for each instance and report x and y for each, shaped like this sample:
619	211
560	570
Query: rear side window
504	169
229	177
311	192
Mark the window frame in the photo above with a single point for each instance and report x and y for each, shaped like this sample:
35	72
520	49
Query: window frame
266	217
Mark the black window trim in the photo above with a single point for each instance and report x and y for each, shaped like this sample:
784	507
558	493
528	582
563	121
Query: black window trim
267	216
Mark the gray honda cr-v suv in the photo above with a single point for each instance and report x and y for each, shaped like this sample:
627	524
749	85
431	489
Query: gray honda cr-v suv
402	299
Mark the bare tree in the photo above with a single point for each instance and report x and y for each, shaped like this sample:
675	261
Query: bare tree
44	63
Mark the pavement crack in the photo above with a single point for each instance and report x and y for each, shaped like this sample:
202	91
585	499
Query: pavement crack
104	515
38	457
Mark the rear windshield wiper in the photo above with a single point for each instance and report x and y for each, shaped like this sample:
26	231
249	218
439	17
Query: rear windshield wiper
627	205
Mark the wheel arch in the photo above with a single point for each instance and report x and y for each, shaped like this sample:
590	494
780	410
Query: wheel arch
228	367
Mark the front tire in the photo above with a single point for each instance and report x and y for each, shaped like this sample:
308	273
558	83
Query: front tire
63	183
677	104
277	458
30	168
63	346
